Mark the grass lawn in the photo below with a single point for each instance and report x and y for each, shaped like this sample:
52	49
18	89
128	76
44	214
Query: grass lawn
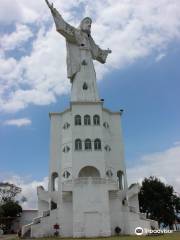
169	236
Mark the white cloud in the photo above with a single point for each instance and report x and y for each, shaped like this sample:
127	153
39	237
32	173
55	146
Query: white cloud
132	29
16	38
164	165
43	80
18	122
10	11
160	57
29	188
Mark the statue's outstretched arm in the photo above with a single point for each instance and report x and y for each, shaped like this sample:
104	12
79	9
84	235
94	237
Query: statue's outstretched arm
97	53
61	25
102	55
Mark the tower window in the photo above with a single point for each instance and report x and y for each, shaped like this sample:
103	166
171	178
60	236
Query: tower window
97	144
66	174
107	148
109	173
96	120
54	181
78	144
77	120
66	149
106	125
120	176
87	120
85	86
88	144
66	125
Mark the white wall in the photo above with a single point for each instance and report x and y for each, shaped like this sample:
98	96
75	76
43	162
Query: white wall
26	217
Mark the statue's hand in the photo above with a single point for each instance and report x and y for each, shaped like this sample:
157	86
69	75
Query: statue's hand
49	5
108	51
53	9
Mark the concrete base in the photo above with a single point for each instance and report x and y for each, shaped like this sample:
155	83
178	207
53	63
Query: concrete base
96	214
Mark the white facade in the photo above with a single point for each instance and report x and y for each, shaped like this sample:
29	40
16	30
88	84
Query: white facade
87	193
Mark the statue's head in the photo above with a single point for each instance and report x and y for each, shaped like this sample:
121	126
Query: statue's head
85	25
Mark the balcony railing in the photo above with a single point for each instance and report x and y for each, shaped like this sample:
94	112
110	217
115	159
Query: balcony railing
68	184
94	180
37	220
46	213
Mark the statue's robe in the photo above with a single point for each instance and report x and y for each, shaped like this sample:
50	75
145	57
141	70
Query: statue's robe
76	39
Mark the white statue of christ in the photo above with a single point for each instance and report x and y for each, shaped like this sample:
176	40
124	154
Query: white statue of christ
81	50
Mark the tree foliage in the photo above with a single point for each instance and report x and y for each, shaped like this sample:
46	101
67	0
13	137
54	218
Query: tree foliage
11	209
8	192
159	201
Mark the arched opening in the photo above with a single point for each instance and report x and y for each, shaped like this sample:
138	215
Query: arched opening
77	120
87	144
53	205
89	171
78	144
120	176
97	144
85	86
96	120
54	181
87	120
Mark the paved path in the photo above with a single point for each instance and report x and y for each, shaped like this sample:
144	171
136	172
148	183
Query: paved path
8	236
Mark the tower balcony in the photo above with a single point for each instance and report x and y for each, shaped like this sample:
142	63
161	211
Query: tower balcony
110	184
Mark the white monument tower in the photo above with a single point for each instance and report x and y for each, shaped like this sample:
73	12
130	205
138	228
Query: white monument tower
87	193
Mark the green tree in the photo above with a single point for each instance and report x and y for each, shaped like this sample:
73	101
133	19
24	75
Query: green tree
1	212
8	192
11	209
159	201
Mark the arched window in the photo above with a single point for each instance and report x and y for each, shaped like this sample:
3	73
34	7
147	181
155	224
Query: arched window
87	145
54	181
97	144
87	120
85	86
96	120
78	144
120	176
77	120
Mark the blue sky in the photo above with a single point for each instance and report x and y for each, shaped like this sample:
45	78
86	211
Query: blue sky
141	76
